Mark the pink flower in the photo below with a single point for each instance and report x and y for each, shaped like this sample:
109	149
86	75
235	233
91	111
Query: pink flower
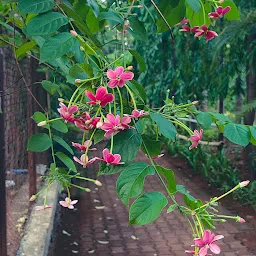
184	21
86	122
138	113
244	183
185	28
219	12
84	161
208	242
196	138
204	31
43	207
118	77
68	203
109	158
67	112
83	147
102	97
113	124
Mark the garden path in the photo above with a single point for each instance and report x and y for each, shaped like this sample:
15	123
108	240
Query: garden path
104	231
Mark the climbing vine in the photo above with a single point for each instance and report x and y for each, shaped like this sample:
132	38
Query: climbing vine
89	43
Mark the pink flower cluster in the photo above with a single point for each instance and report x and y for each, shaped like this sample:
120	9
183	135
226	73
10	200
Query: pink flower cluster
204	31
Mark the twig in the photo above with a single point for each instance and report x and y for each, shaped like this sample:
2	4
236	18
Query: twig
164	19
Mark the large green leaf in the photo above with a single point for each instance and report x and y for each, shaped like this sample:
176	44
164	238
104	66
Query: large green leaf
173	15
50	87
131	180
137	29
35	6
63	143
59	125
152	146
194	4
92	21
39	142
24	48
66	160
205	119
126	144
169	176
46	24
165	126
139	59
111	16
56	46
147	208
81	69
39	117
237	133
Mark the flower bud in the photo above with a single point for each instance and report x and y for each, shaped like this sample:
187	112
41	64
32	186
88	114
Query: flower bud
32	198
107	26
60	100
73	33
99	124
244	183
240	220
195	102
87	190
82	48
98	183
78	81
140	6
130	68
221	1
42	123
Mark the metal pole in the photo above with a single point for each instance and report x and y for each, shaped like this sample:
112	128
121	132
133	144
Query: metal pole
3	234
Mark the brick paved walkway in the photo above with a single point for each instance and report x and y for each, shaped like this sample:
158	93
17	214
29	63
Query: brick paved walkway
103	231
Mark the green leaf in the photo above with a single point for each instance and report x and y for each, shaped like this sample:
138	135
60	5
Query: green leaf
46	24
110	169
253	135
181	189
92	21
24	48
200	18
220	117
56	46
137	89
50	87
35	6
147	208
153	146
39	142
111	16
173	15
194	4
205	119
130	183
137	29
79	69
39	117
98	136
66	160
172	208
169	176
165	126
63	143
59	125
127	144
237	133
139	59
233	14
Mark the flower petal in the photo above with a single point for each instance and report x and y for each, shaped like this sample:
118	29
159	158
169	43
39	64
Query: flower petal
214	248
90	95
119	71
225	10
111	74
100	92
203	251
112	83
127	76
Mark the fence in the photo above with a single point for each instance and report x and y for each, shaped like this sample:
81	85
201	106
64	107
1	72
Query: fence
18	176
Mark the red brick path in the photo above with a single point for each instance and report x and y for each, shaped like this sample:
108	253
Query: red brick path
105	232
